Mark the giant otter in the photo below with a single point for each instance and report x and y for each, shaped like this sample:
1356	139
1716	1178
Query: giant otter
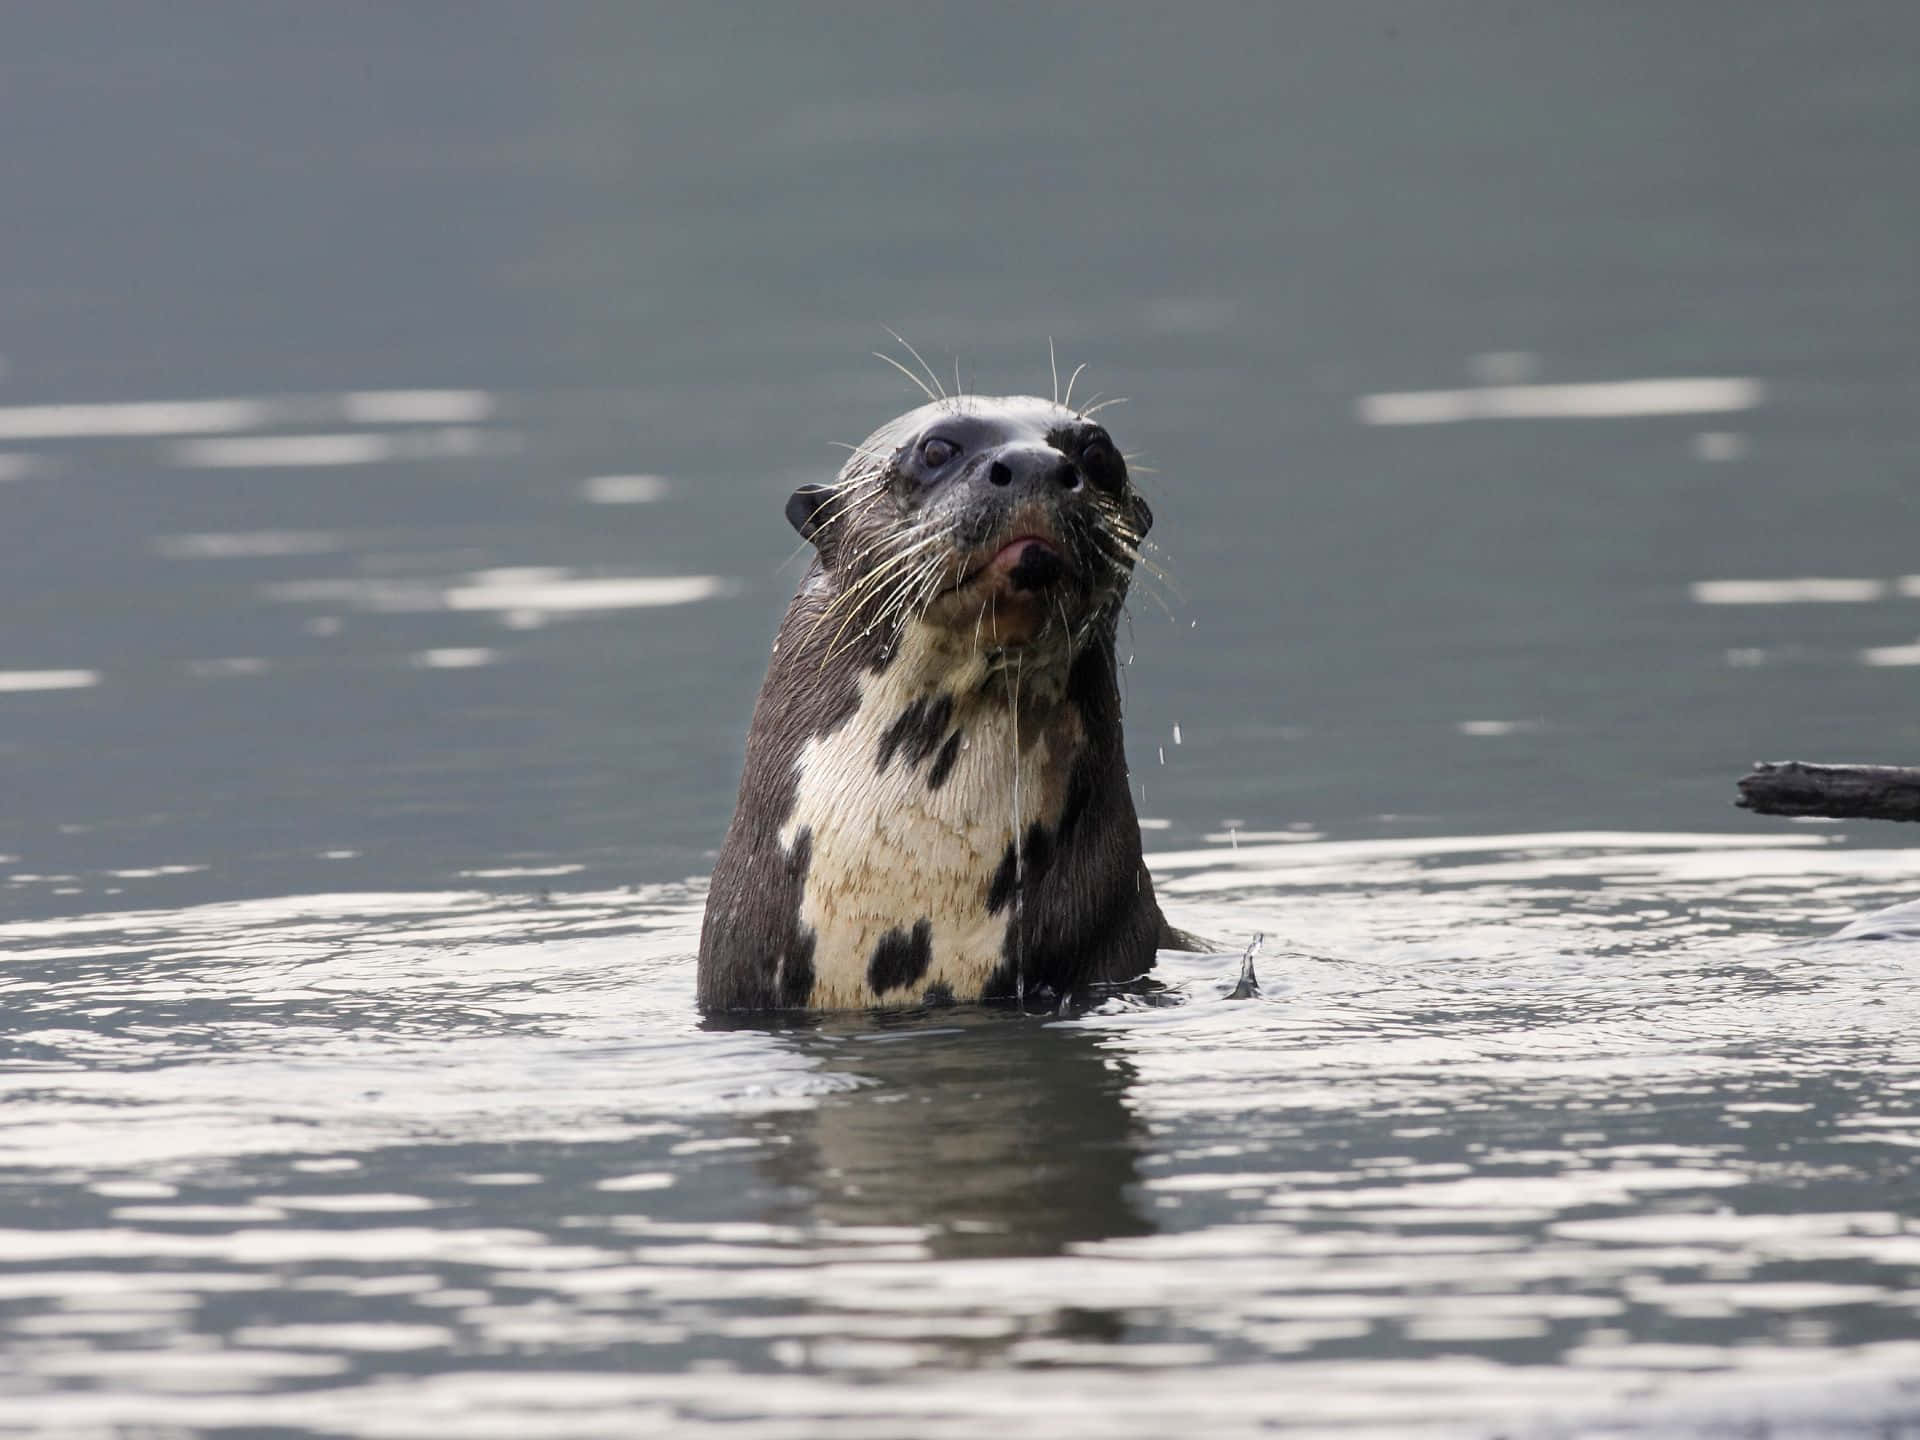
935	804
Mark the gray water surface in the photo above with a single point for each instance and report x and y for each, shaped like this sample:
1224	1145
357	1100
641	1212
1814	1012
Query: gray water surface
396	410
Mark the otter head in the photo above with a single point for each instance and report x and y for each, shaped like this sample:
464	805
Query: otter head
1008	524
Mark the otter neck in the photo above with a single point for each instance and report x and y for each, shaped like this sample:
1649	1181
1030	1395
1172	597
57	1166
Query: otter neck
917	814
1028	681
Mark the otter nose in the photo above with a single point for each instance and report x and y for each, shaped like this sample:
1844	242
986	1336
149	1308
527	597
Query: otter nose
1039	470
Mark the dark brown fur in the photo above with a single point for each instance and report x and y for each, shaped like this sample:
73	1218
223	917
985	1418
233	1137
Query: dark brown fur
750	937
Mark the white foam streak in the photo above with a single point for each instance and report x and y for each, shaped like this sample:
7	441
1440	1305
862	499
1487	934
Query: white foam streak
519	591
455	658
623	489
48	679
416	407
226	666
572	595
246	544
285	450
1891	655
148	418
264	452
132	419
1600	400
1804	590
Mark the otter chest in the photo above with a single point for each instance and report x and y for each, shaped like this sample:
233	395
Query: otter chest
909	810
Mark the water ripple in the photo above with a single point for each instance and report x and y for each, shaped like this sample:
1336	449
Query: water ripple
1522	1130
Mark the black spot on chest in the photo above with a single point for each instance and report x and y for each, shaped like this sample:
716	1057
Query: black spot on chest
793	970
901	958
943	762
917	733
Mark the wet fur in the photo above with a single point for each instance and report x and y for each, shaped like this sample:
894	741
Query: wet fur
870	860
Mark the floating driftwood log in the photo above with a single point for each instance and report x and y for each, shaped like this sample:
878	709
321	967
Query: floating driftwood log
1840	792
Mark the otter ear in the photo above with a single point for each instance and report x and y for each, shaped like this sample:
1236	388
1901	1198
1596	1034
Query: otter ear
804	506
1142	515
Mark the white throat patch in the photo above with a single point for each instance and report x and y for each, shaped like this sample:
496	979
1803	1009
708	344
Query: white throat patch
906	864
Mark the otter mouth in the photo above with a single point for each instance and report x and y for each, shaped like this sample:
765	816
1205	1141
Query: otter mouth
1015	589
1025	563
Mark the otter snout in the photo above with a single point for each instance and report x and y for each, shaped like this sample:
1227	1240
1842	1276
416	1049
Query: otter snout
1023	471
1018	498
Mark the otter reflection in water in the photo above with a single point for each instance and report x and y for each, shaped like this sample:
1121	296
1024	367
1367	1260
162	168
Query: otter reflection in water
934	806
993	1135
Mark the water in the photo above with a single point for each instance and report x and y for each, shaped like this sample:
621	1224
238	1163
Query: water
1521	1127
395	416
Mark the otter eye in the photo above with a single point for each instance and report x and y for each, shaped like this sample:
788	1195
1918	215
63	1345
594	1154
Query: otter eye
935	452
1101	462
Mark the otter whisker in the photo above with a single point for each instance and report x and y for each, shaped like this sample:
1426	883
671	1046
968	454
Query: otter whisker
928	581
1066	625
877	577
1146	574
861	450
1120	527
852	599
1132	559
1088	554
1054	366
915	540
1093	409
1117	544
879	355
893	607
842	640
848	499
911	592
1154	570
918	594
923	364
1068	402
852	491
1154	595
867	587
